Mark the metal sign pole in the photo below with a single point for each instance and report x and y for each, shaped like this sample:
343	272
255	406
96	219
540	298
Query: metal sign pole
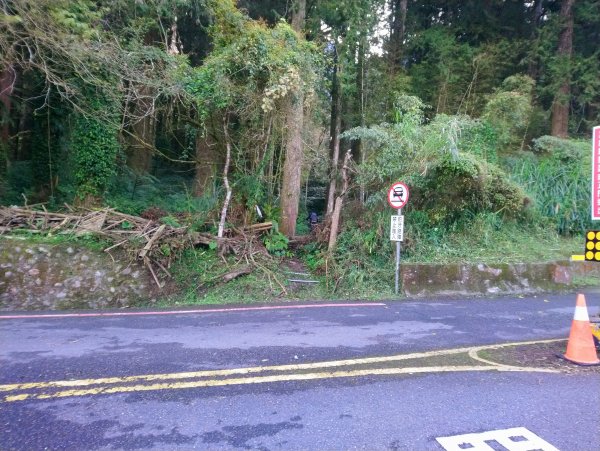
398	258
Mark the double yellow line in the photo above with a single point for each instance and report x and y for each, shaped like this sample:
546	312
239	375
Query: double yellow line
254	375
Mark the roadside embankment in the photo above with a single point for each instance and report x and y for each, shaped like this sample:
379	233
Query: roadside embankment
421	280
42	276
65	276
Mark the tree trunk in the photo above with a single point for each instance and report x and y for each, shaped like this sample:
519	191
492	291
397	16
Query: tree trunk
175	44
298	15
358	149
335	128
207	162
225	178
536	18
560	106
538	12
337	210
292	166
397	32
8	78
7	83
22	131
143	132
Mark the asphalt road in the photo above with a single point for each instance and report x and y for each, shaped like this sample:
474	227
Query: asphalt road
263	379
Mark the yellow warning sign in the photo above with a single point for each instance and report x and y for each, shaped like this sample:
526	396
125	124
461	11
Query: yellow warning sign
592	246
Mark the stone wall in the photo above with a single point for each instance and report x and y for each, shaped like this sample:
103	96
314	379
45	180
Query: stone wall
419	280
49	276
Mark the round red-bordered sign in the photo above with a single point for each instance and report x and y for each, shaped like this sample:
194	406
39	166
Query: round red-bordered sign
398	195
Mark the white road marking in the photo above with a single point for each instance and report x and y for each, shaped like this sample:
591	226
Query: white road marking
514	439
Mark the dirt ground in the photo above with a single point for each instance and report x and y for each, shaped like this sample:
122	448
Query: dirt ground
543	355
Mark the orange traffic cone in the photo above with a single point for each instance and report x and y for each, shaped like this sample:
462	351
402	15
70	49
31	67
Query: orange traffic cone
580	348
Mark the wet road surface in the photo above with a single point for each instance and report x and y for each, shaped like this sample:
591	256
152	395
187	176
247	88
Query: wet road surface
202	382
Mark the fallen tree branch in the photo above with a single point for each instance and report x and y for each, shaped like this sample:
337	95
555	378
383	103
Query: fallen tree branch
149	265
241	271
138	238
151	241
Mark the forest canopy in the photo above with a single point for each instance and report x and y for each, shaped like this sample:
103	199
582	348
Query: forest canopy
229	113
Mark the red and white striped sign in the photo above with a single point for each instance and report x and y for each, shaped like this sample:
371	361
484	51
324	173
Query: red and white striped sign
596	174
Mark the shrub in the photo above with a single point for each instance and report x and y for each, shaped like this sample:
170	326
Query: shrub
455	186
276	243
565	150
509	109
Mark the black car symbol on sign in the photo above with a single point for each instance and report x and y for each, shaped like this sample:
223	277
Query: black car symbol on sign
398	192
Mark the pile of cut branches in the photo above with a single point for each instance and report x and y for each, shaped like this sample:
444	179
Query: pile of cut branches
153	243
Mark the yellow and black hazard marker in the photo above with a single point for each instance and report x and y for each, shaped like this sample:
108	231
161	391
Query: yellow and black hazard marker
592	246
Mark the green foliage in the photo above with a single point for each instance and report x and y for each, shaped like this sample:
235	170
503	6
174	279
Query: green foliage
135	193
361	263
558	180
468	185
95	146
252	66
393	149
484	237
313	256
76	17
87	240
165	250
580	69
508	111
170	221
447	161
302	226
40	153
564	150
444	69
245	84
85	69
479	138
276	243
199	274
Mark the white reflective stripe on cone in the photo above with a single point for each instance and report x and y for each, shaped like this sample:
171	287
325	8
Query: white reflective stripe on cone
581	314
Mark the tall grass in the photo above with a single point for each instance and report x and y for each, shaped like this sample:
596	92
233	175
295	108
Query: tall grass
559	183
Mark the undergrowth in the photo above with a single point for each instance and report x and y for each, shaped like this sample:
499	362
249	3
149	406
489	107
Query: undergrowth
199	273
363	264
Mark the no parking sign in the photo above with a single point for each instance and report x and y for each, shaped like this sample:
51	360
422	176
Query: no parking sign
398	195
397	198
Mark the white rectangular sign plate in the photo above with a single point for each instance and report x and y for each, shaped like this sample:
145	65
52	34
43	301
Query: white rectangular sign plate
596	174
397	228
